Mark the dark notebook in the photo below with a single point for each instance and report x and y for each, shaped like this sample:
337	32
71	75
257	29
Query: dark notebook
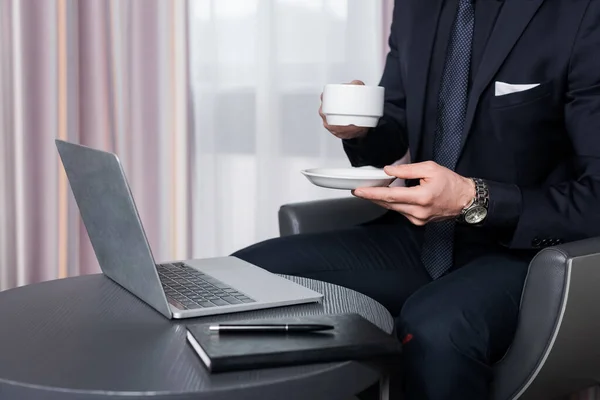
353	338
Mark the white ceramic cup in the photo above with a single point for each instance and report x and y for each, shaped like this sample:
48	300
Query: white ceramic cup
345	104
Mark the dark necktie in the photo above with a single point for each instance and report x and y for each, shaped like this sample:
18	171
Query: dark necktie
438	245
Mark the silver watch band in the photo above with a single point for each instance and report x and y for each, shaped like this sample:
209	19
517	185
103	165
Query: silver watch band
481	200
482	195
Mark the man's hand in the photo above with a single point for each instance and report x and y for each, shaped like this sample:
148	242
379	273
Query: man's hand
343	132
442	193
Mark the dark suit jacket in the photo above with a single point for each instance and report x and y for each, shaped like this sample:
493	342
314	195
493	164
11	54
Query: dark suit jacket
539	150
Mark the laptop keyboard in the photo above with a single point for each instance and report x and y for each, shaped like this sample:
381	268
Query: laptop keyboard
192	289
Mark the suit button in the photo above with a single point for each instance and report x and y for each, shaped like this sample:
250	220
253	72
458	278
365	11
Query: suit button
536	242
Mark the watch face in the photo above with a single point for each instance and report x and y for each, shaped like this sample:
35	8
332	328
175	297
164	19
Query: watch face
475	215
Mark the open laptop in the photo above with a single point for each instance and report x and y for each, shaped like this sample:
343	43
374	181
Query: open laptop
182	289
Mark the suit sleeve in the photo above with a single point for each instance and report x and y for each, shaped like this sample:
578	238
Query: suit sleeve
570	210
387	142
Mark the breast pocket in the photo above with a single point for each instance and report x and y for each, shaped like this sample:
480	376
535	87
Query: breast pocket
526	121
541	91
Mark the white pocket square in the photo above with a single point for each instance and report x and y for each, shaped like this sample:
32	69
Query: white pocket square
502	88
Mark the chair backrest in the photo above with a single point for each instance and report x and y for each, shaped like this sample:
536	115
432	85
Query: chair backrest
556	349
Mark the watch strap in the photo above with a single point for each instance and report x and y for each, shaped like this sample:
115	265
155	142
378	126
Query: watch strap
481	199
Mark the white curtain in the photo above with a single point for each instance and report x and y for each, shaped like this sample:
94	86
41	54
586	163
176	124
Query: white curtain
209	162
257	68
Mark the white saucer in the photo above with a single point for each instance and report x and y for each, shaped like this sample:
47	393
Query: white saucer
348	178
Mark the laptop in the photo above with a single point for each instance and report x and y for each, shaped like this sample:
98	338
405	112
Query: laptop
178	289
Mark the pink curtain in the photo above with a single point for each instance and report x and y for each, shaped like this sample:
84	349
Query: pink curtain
105	73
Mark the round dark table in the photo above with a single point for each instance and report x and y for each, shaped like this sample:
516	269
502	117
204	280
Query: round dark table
88	338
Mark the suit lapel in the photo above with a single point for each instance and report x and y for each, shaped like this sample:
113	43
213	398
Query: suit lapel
426	16
512	21
486	13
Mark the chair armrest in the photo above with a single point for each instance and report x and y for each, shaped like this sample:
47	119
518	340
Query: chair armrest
326	215
556	348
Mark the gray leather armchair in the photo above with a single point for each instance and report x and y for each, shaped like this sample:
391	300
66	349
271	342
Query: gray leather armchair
556	349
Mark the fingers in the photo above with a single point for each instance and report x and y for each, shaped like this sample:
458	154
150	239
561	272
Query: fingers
383	204
342	132
322	115
408	210
415	214
405	195
415	203
413	171
415	221
385	194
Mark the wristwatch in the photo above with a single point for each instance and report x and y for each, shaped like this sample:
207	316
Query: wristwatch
476	212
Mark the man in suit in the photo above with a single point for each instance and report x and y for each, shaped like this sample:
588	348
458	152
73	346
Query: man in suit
499	104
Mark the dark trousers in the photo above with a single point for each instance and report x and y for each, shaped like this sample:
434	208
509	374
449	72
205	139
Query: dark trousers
454	328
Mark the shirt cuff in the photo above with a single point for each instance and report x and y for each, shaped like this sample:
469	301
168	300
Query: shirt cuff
504	209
